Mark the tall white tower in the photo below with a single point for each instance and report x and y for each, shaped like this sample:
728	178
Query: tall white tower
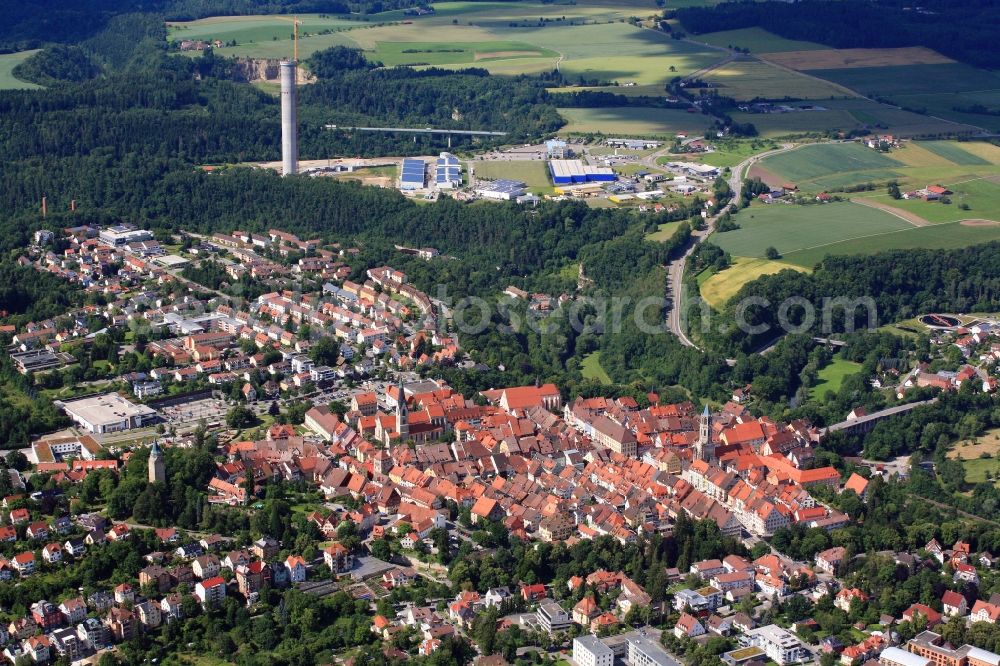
289	118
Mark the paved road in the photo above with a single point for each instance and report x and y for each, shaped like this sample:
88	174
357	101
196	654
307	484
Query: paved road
675	269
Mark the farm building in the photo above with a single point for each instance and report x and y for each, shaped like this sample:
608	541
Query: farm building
501	190
566	172
412	176
448	173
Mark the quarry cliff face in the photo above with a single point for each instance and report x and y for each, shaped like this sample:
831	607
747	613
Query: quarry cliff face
252	70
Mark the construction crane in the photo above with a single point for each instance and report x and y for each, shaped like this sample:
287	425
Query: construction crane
295	34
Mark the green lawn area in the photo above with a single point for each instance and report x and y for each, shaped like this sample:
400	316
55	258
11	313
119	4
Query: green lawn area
976	469
591	368
718	288
831	376
791	229
633	121
757	40
8	61
663	232
533	173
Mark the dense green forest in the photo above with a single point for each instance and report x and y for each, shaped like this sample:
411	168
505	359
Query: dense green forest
900	283
963	29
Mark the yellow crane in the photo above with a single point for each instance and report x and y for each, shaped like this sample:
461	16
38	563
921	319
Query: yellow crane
295	34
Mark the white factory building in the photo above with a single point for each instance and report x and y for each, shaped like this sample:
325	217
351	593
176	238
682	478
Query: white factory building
106	413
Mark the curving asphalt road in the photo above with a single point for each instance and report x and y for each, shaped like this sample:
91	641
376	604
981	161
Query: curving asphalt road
675	269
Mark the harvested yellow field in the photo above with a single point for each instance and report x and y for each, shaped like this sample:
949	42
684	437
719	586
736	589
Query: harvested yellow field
987	151
720	287
854	58
914	155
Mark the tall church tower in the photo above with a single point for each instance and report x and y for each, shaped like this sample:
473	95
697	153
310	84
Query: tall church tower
402	424
704	449
157	470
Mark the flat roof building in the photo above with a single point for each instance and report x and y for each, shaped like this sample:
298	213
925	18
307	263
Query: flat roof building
123	235
412	176
501	190
589	650
780	645
37	360
643	651
565	172
108	412
893	656
448	172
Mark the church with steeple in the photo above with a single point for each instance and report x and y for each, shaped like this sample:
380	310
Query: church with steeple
704	448
157	470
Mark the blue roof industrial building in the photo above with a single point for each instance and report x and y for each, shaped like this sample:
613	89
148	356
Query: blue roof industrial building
413	174
567	172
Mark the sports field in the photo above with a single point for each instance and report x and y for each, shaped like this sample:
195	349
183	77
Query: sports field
8	62
832	376
791	229
753	79
719	287
640	121
757	40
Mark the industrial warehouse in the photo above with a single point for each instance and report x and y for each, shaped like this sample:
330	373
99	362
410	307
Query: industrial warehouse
566	172
413	174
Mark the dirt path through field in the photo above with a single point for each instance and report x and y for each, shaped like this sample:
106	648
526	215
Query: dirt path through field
906	215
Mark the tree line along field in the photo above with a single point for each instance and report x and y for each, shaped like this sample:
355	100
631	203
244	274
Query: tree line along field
756	40
8	61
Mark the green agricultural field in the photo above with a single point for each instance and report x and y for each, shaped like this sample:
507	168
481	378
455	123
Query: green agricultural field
981	195
255	29
436	53
815	161
757	40
751	79
953	152
591	368
533	173
937	89
639	121
831	377
791	229
718	288
950	236
8	62
847	114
